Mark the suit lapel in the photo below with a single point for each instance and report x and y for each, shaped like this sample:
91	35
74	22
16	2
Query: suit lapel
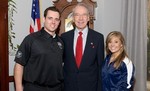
72	49
72	42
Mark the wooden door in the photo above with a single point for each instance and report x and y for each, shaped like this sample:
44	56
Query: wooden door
4	81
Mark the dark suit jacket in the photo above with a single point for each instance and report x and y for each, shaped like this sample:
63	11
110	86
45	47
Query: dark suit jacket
88	76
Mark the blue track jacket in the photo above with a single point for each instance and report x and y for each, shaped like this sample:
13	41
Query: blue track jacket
120	79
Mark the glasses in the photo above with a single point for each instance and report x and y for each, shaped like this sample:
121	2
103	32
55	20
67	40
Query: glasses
81	15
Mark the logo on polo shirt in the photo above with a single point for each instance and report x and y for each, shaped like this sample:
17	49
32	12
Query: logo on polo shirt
60	45
19	54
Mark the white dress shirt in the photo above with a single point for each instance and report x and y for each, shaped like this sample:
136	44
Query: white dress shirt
84	37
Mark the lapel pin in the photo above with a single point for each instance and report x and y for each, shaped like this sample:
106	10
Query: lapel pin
92	44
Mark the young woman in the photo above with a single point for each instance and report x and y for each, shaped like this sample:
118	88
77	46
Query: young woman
117	69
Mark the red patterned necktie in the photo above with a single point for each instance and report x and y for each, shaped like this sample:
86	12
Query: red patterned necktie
79	49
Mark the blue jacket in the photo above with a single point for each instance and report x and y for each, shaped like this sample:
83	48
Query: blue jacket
120	79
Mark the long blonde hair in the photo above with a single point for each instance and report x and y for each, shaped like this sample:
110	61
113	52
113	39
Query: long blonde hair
122	54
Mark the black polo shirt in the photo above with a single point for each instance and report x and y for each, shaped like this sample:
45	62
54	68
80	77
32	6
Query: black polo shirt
41	56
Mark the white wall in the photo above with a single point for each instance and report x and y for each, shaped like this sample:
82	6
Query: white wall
108	17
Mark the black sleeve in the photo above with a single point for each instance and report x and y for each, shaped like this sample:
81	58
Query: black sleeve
23	52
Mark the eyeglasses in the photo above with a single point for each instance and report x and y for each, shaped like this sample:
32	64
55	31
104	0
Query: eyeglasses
81	15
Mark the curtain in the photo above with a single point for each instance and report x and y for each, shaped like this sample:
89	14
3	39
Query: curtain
134	29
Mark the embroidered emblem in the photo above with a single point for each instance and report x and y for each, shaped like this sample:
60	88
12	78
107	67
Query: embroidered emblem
19	54
60	45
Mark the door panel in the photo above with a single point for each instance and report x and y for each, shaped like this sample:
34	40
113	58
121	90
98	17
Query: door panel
4	81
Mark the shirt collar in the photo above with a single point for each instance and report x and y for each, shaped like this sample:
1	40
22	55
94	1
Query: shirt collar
46	34
84	31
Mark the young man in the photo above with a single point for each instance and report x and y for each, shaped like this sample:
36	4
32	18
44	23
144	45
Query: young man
83	54
39	58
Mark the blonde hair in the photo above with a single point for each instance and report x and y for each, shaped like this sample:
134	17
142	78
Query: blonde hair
123	53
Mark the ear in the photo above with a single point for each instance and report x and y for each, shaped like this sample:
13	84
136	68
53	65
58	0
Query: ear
89	18
121	45
43	19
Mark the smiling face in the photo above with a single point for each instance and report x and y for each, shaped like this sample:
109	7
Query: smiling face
115	45
51	21
80	17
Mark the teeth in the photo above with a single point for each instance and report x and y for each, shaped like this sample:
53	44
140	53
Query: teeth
80	22
112	48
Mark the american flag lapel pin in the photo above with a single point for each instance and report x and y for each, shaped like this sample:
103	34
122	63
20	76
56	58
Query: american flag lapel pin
92	45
